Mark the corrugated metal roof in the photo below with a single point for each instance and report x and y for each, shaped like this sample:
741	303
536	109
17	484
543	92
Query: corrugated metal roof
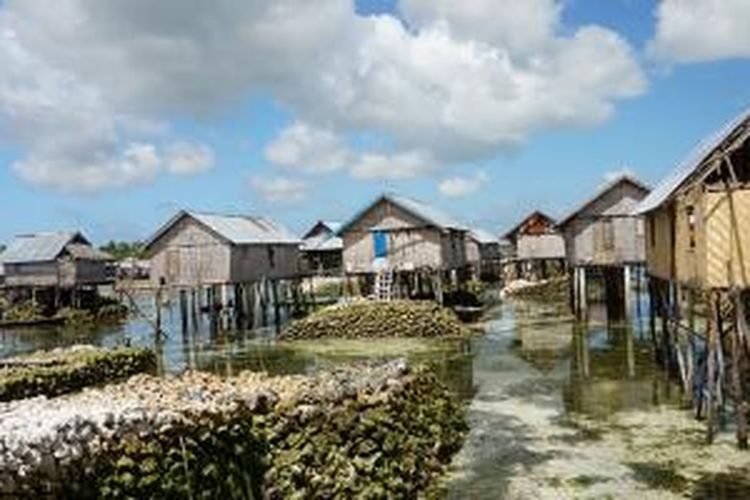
426	211
484	237
87	252
419	209
244	229
602	192
38	247
690	165
322	242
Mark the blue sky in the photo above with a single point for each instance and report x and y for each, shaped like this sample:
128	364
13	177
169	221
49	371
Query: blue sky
208	145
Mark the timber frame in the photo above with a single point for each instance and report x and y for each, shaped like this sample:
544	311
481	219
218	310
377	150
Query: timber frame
698	258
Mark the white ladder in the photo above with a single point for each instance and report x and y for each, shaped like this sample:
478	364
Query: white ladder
384	285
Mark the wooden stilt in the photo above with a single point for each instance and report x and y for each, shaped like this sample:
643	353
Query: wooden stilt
194	308
627	291
276	310
157	307
583	293
183	311
711	372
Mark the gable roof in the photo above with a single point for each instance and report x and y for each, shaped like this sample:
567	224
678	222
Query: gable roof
332	227
234	229
602	192
510	235
323	242
693	163
81	251
425	212
39	247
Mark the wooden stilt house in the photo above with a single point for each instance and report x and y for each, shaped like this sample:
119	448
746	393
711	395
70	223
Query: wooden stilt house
483	253
605	238
194	249
242	265
397	238
538	248
322	249
698	251
54	267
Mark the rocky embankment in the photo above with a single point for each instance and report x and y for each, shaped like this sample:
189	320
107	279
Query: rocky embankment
66	370
370	319
367	431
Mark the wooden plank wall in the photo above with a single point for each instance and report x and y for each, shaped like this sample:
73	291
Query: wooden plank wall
728	238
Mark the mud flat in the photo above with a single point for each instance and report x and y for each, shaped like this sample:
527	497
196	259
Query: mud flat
369	431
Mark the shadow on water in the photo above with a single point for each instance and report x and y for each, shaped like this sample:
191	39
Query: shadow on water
205	348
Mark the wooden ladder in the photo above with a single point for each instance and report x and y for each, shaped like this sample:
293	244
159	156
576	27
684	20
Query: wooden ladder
384	285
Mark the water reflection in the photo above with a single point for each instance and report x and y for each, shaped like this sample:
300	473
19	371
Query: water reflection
529	380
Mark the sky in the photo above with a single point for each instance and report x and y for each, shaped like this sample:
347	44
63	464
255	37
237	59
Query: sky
114	115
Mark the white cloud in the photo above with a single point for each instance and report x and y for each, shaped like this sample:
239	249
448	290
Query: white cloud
309	149
460	187
85	81
521	26
138	163
690	31
403	165
184	158
280	189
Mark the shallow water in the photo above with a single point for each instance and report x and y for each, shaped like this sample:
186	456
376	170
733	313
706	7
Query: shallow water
557	409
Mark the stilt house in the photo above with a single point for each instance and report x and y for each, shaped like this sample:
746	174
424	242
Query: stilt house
538	247
698	218
402	234
603	231
483	253
54	260
194	249
698	248
322	249
604	237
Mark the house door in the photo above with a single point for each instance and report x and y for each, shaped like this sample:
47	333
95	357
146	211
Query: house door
380	238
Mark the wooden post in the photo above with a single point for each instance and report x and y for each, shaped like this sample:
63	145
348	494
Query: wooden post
711	370
740	406
276	311
264	295
183	311
250	305
638	283
157	306
583	293
691	351
652	313
194	308
627	292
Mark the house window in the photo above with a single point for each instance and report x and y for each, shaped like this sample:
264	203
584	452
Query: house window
271	257
690	213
